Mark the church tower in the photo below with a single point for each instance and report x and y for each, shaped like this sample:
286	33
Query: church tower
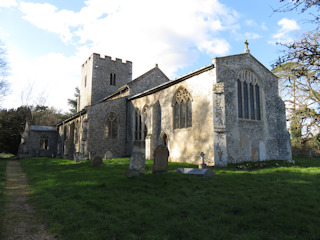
101	76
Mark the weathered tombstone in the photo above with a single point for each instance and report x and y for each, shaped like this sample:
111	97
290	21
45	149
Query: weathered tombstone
160	162
108	155
97	161
78	156
136	164
207	172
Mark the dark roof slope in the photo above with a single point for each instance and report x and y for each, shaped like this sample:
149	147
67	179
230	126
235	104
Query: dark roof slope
42	128
173	82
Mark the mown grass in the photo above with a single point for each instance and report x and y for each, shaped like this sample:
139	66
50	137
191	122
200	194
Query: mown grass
79	201
3	165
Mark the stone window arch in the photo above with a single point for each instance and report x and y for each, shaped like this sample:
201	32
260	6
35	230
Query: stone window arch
111	130
144	122
138	125
76	132
248	91
112	79
182	109
44	142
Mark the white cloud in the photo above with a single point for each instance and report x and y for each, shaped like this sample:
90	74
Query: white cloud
170	33
49	79
283	34
251	35
8	3
143	31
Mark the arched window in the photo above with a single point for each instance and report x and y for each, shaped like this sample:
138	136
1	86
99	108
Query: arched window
111	130
182	109
248	96
145	116
239	99
112	79
44	142
138	125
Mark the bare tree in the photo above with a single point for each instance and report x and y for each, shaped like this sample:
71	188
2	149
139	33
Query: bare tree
4	71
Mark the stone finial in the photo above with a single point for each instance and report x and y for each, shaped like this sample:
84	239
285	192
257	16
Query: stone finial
156	65
247	49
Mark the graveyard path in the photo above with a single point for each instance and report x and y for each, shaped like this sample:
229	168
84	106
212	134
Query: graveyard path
20	220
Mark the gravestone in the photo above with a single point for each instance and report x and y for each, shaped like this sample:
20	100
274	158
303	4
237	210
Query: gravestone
108	155
207	172
97	161
136	164
78	157
161	155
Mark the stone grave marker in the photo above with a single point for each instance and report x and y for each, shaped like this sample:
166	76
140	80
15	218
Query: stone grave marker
136	164
108	155
78	157
161	155
206	172
97	161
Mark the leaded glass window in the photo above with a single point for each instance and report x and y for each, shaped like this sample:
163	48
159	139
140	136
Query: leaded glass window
138	125
258	103
182	109
111	130
252	112
245	100
248	93
239	99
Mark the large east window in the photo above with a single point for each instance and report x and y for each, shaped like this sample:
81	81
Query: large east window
248	96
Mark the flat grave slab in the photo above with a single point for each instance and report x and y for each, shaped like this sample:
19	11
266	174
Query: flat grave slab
206	172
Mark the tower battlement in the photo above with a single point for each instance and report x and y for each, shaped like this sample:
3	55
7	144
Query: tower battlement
101	76
106	59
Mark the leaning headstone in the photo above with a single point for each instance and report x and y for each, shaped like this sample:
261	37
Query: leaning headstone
108	155
97	161
161	155
136	164
207	172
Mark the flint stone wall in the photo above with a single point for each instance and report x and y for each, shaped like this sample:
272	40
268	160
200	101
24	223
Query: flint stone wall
185	145
253	140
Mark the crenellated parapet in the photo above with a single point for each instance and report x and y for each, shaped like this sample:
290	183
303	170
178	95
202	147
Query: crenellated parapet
101	76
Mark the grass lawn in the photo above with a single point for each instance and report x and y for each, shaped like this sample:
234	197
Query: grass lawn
3	164
79	201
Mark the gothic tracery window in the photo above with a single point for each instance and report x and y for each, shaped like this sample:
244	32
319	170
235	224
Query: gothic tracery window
182	109
111	125
248	96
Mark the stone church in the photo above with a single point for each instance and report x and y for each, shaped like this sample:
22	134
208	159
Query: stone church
230	110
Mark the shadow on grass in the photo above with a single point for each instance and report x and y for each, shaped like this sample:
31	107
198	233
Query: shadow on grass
85	202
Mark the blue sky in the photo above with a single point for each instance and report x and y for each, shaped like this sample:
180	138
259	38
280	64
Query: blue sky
47	41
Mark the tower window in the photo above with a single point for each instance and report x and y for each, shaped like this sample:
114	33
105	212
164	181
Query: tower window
112	79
